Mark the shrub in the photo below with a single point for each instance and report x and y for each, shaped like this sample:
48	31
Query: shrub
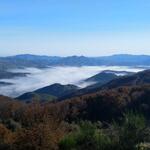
126	135
68	142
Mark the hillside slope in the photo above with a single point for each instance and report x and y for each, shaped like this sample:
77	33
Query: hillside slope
140	78
48	93
106	105
101	78
135	79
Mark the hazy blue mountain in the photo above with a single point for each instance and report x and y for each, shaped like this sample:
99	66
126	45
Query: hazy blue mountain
122	60
49	93
27	60
4	83
104	77
7	75
136	79
57	89
101	78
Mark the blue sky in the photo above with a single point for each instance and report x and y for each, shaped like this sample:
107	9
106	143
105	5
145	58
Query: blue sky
74	27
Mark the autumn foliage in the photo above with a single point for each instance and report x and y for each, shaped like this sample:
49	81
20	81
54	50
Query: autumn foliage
56	125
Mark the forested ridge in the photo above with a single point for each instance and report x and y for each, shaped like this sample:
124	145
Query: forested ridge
109	119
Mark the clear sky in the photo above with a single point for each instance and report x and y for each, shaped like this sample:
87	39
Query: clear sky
74	27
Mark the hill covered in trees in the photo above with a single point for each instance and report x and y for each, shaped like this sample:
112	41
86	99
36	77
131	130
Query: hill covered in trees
140	78
48	93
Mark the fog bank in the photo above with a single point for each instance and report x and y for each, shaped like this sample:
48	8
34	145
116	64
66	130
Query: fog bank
39	78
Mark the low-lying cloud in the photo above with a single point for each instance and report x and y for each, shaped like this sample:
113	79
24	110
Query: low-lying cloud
39	78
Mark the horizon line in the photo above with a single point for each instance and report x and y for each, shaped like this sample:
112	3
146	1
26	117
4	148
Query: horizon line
117	54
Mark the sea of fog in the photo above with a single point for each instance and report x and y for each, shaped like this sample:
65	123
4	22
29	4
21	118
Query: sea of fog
39	78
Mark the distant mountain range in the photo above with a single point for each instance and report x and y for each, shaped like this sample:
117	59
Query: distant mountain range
28	60
106	79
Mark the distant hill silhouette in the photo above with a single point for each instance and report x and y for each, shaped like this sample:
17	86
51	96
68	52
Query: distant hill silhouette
102	78
58	91
8	75
28	60
140	78
135	79
48	93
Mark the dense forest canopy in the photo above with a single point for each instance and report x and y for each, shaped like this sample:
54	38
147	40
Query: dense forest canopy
111	119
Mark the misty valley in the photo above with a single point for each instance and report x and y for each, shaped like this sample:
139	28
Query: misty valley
74	103
26	73
30	79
